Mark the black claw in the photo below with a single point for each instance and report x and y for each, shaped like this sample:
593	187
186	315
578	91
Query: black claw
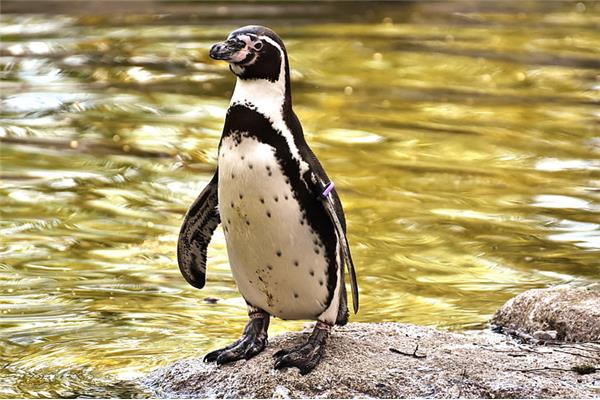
221	360
228	356
305	360
254	349
280	353
252	342
311	364
305	357
278	364
212	356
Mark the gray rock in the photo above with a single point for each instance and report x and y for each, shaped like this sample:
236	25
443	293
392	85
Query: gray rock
573	313
358	363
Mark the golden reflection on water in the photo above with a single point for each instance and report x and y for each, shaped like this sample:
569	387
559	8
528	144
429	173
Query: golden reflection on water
464	146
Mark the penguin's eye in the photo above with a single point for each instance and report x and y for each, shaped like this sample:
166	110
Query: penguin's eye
258	45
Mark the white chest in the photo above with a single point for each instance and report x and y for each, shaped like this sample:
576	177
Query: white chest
277	262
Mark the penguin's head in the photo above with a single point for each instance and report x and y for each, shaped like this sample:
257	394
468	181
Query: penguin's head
253	52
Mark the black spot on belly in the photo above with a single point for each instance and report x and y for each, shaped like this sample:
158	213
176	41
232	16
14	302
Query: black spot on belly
285	197
232	204
276	198
278	253
270	268
243	158
296	295
321	282
250	166
262	200
241	196
232	176
312	273
296	263
268	214
270	173
317	251
247	222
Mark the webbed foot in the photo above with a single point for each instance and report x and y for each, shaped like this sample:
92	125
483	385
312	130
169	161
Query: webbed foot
252	342
306	356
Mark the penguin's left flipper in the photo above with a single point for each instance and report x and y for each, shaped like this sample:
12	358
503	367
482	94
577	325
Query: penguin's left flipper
198	226
334	210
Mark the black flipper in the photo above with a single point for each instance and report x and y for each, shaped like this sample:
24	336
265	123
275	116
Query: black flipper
198	226
340	232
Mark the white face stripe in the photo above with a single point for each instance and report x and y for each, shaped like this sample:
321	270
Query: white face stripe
267	98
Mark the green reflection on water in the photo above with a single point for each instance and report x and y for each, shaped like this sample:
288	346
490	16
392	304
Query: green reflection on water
464	146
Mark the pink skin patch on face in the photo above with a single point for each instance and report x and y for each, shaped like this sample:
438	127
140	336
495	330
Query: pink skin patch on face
243	53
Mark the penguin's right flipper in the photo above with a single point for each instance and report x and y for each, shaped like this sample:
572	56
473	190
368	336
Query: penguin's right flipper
334	213
198	226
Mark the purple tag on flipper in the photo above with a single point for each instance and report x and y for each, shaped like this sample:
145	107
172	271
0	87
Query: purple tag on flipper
328	189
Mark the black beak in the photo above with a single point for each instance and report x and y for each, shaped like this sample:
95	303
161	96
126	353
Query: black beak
225	50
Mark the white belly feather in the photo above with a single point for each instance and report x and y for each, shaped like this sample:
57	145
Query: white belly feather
277	263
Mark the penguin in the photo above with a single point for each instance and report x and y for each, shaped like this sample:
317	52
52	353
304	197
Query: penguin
282	218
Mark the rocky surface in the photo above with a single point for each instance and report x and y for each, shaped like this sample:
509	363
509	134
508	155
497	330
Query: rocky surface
557	313
359	363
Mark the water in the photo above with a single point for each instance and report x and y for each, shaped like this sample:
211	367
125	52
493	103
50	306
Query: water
463	139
